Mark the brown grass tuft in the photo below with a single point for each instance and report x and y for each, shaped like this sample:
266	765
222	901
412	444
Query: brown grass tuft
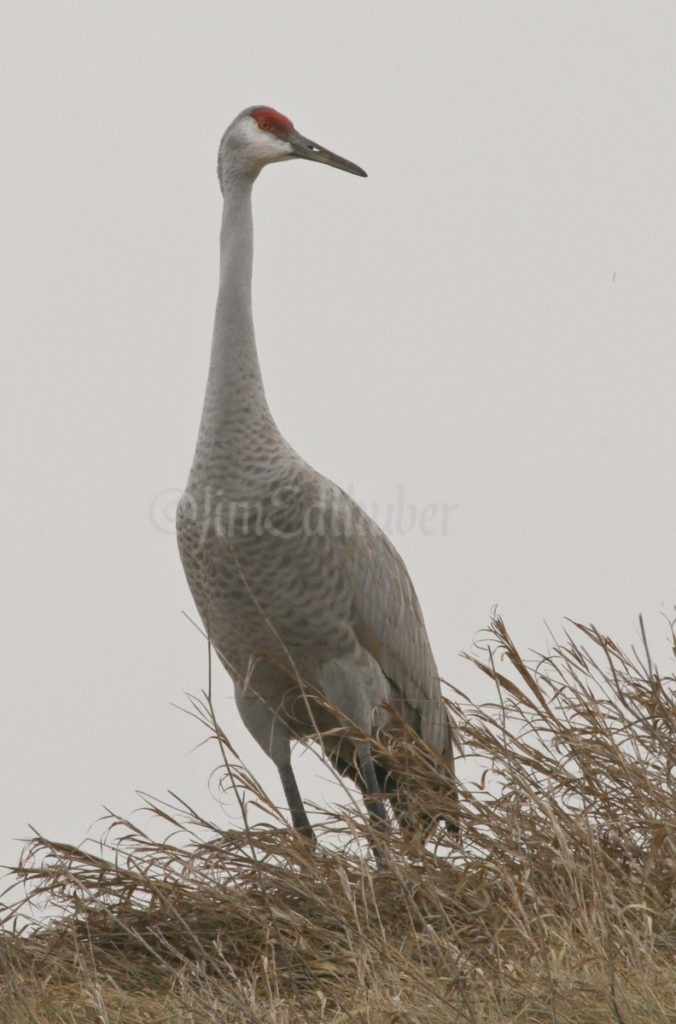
558	906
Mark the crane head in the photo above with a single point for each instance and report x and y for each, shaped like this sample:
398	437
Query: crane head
261	135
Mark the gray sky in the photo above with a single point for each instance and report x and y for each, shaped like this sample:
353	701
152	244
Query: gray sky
486	323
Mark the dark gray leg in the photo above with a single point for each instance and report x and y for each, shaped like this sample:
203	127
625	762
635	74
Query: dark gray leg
300	820
372	797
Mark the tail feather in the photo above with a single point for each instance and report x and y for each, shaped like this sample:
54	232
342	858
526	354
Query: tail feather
409	818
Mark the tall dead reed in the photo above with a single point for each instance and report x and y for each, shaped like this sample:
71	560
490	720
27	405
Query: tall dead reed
557	904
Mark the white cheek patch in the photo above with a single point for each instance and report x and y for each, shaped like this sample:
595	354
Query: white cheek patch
264	145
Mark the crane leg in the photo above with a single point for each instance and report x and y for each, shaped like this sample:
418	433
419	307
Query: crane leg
299	817
373	798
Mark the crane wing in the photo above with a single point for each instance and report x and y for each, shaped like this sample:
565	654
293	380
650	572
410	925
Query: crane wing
388	622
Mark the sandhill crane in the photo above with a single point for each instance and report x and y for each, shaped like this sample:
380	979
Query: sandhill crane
300	592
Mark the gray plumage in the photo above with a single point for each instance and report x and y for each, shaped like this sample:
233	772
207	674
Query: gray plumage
299	591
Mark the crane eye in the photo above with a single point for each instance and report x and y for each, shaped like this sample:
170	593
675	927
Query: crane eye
265	125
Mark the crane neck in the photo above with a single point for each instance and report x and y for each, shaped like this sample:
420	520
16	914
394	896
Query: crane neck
235	395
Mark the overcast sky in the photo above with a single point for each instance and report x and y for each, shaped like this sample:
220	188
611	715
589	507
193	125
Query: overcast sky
484	328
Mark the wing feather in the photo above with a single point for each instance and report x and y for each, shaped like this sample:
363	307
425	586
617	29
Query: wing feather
388	622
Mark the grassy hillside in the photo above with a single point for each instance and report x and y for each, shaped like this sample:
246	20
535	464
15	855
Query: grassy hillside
558	906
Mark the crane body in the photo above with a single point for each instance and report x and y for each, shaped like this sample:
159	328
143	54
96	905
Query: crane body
300	592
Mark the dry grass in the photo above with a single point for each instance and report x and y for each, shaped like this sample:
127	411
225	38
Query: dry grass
558	907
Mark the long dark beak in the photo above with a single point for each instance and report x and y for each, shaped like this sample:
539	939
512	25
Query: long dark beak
308	150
